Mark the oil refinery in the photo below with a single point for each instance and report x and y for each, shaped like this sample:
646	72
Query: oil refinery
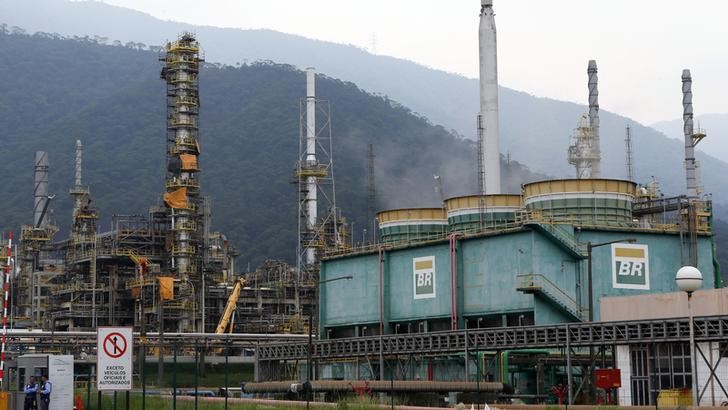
527	292
164	271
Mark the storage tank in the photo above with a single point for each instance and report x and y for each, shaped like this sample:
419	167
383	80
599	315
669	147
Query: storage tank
601	202
402	225
464	212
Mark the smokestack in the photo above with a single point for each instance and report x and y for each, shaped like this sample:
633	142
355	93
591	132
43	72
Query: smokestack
687	101
40	192
311	194
596	166
79	154
489	154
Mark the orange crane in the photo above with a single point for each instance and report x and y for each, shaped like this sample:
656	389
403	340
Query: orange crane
222	325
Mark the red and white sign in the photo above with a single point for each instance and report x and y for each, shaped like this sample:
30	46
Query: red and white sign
114	358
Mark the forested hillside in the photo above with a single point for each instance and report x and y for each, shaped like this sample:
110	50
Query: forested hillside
535	130
54	91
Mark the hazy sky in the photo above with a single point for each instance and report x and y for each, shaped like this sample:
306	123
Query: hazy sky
641	46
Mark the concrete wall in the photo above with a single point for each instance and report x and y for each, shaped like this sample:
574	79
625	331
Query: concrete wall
665	305
624	394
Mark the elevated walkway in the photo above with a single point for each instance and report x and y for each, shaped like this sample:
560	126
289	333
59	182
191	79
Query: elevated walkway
672	330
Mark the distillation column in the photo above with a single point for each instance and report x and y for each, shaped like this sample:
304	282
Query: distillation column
488	151
182	196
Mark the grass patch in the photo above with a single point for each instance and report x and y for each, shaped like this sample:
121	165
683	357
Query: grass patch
165	403
214	375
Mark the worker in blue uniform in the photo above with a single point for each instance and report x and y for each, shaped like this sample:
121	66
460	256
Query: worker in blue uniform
45	392
31	395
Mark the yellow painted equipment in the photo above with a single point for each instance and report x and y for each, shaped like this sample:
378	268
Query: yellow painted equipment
675	398
176	199
230	307
189	162
166	288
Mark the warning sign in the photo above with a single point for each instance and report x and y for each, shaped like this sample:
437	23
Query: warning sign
114	345
114	358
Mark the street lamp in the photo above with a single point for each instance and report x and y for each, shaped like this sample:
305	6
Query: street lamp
309	372
689	279
589	247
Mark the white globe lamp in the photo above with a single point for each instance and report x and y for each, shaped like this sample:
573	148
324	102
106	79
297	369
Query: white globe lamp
689	279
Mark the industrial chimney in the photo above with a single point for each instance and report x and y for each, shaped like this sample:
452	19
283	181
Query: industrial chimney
596	165
585	153
488	152
40	190
311	187
692	138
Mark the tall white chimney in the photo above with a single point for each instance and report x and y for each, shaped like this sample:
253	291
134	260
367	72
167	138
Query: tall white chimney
489	154
311	189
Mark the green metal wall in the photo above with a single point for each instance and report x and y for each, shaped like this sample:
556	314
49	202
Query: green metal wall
355	301
487	277
489	267
402	305
664	261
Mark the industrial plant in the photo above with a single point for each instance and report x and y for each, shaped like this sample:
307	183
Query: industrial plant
532	293
557	252
166	270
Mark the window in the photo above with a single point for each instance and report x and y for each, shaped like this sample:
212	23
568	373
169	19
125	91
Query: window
671	367
723	349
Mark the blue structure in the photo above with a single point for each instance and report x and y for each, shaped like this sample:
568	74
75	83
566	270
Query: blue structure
530	269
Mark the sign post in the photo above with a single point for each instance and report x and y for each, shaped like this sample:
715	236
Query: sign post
114	358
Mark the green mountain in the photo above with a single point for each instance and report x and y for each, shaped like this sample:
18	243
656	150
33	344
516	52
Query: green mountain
54	91
715	125
535	131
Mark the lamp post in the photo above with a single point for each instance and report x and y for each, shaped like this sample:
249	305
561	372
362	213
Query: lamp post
309	372
589	247
689	279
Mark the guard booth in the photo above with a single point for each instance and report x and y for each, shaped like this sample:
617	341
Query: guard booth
58	368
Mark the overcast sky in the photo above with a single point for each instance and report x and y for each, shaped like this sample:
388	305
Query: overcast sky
640	46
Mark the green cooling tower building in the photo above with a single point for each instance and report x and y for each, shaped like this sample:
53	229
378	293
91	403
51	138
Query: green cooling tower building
509	260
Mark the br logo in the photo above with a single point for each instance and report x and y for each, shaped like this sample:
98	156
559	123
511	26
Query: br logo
423	277
630	266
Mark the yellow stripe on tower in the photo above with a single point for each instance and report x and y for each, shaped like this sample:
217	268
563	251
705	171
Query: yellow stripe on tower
629	252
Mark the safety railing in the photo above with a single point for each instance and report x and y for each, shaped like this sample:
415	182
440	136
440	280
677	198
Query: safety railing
185	226
179	183
554	223
534	282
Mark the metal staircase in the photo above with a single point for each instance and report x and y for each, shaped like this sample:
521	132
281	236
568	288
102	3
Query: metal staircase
538	284
561	236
